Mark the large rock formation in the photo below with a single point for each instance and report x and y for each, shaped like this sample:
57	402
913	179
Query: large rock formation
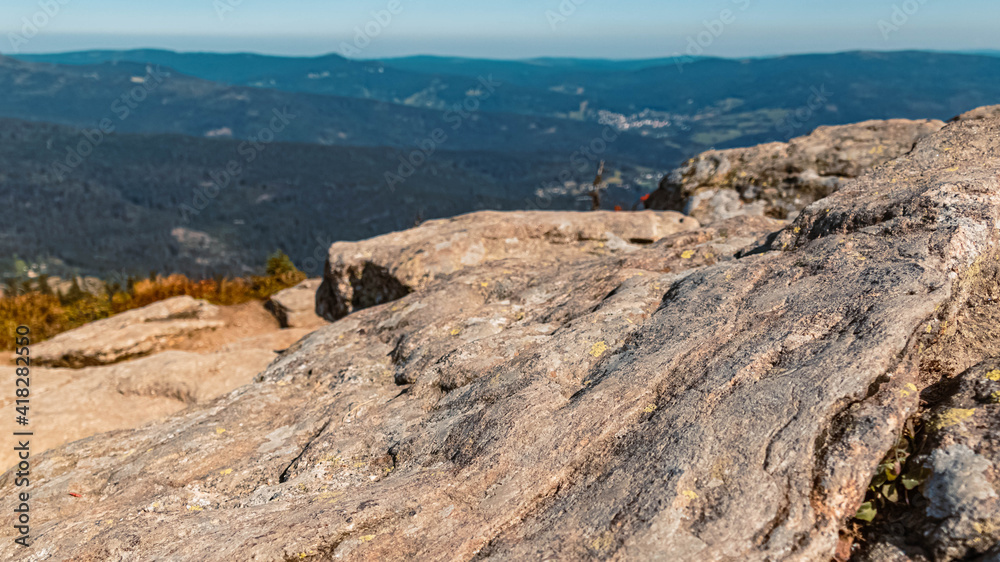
131	334
779	179
718	394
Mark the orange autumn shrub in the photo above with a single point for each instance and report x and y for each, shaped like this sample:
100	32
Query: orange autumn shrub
48	315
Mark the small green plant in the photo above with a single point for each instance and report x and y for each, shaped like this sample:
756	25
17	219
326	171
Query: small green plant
279	264
895	477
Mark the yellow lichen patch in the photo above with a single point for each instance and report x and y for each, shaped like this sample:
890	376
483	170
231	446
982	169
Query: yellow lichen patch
690	494
484	284
688	254
720	469
604	542
797	229
954	169
598	349
650	408
456	331
951	417
220	430
366	538
995	397
195	508
225	472
908	390
993	375
329	497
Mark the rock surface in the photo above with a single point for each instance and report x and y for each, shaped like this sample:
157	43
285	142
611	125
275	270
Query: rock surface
131	334
719	394
385	268
296	307
780	179
70	404
985	112
957	514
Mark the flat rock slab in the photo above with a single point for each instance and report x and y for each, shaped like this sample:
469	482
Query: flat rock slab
130	334
71	404
687	399
295	307
371	272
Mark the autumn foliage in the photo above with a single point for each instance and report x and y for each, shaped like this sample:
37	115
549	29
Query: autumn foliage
48	314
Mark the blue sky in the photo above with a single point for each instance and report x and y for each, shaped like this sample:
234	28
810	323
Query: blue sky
508	29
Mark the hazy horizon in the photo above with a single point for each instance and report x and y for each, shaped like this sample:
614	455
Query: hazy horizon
969	51
518	29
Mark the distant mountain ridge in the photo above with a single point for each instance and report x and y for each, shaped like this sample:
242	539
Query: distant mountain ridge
169	102
691	104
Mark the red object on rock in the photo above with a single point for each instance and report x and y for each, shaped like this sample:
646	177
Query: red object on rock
75	495
645	197
618	207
